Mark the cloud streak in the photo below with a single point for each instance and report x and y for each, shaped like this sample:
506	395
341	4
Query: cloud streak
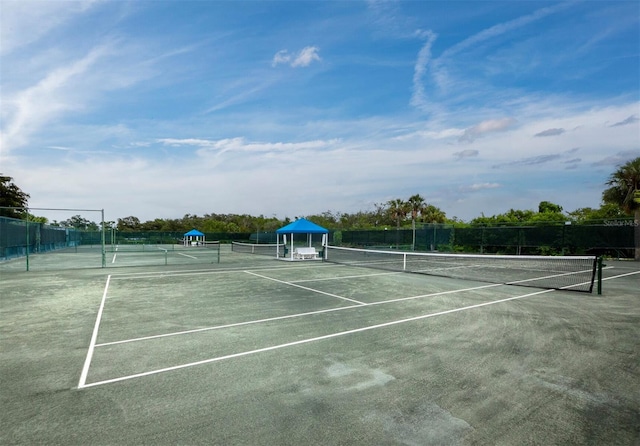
303	58
466	154
550	132
418	98
630	120
48	100
486	127
530	161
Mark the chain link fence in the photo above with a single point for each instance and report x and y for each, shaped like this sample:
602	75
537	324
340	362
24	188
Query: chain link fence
615	240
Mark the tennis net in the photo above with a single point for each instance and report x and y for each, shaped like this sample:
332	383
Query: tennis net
576	273
265	249
211	245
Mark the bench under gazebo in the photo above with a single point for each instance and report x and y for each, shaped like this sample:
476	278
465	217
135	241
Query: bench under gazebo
193	238
301	226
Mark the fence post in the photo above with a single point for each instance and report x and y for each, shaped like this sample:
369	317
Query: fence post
27	239
102	241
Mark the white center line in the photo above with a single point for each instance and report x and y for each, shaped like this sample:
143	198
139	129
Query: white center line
306	288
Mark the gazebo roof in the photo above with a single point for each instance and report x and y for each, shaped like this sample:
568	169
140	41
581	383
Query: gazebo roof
194	232
302	226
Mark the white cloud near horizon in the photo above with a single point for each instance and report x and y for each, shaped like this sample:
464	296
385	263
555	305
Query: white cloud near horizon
479	186
274	179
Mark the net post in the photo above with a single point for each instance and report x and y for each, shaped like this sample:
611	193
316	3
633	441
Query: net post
104	252
599	261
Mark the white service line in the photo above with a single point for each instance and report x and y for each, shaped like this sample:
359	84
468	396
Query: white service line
619	275
198	272
187	255
306	288
323	279
94	337
306	341
290	316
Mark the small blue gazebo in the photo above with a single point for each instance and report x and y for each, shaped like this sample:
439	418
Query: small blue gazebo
193	238
300	226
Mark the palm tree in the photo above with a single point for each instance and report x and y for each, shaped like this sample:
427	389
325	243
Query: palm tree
398	211
433	214
416	205
624	189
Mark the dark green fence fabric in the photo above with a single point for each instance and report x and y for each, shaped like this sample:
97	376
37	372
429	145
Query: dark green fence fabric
162	237
19	237
612	240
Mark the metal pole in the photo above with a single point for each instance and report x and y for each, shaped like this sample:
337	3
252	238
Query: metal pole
600	276
104	253
27	239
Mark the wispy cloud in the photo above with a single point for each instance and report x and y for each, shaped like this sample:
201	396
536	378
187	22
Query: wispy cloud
439	69
550	132
502	28
489	126
50	98
618	159
530	161
479	187
303	58
418	98
25	22
241	144
630	120
466	154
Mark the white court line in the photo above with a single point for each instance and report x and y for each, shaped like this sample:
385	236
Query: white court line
551	277
199	272
619	275
306	341
305	288
94	337
114	257
311	313
83	384
290	316
321	279
187	255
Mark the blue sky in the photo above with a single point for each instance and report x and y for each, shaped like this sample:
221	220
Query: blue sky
156	109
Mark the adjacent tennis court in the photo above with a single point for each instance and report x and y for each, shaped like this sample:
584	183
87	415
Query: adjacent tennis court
256	350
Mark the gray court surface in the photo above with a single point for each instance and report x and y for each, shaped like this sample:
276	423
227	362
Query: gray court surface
259	351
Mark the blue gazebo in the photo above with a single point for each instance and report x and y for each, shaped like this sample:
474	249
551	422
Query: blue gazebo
193	238
300	226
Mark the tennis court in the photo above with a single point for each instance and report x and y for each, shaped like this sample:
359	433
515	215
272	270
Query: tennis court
128	255
255	350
